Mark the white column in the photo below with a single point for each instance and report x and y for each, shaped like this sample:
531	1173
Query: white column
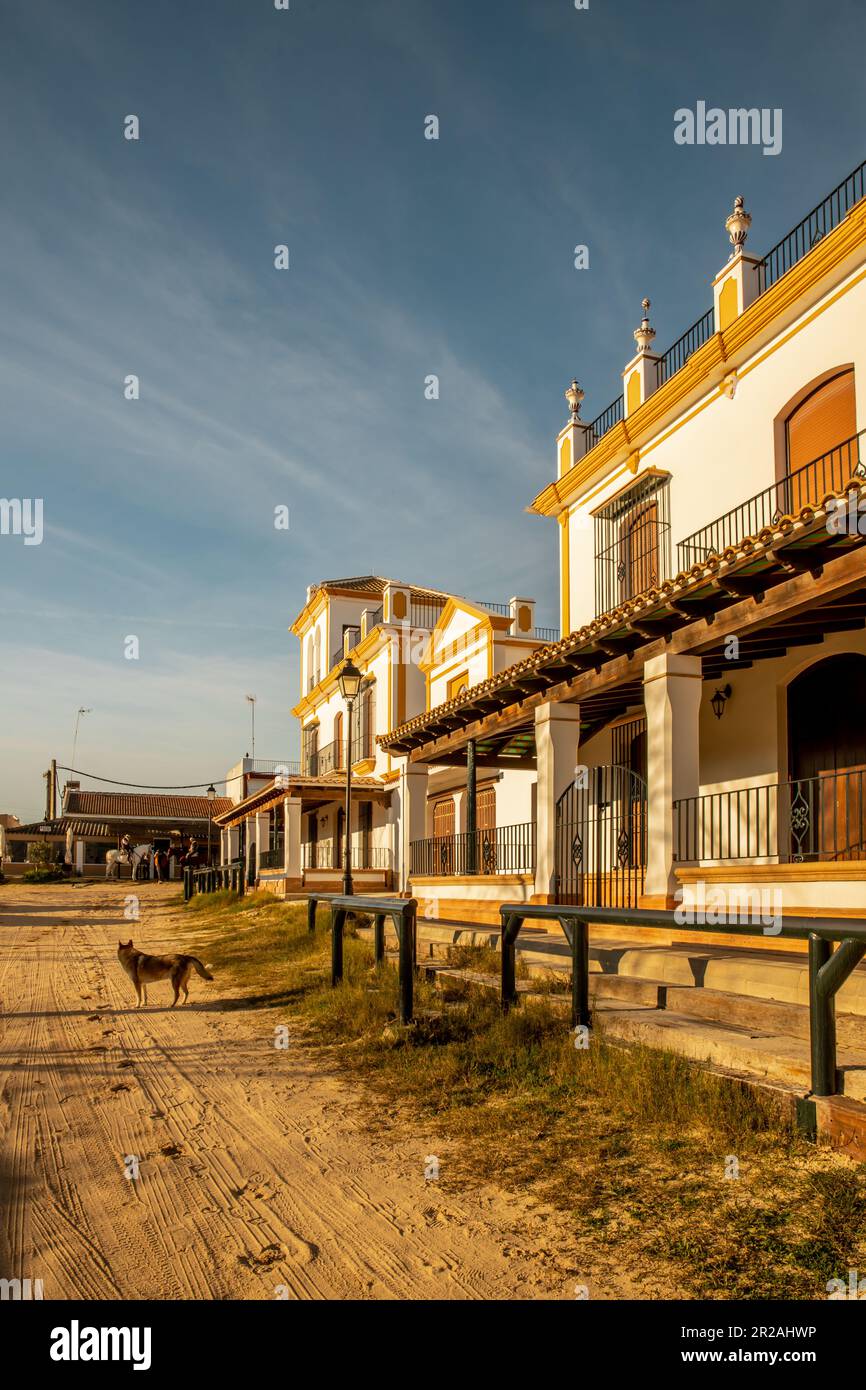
412	824
292	837
263	825
557	740
79	856
672	699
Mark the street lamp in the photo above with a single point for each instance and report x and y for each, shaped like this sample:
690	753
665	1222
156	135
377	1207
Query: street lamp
210	794
349	681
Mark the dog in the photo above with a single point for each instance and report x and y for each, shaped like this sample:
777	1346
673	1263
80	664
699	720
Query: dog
143	970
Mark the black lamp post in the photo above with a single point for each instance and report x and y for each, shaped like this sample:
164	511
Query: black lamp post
210	794
349	681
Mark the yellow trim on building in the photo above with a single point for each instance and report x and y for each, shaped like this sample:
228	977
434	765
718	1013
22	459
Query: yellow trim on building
564	577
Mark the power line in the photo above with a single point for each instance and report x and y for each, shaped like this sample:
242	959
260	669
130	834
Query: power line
140	786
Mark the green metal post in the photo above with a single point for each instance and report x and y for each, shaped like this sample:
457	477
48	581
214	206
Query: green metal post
405	923
338	917
508	985
580	1014
187	885
822	1020
379	938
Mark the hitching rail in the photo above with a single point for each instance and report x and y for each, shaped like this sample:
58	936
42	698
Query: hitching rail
214	879
828	969
402	912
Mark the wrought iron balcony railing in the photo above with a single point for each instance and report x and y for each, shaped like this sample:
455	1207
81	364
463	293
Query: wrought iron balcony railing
811	483
354	636
272	766
691	340
507	849
272	858
331	757
810	819
324	854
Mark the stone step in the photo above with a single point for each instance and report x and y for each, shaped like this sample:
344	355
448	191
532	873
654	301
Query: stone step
777	1057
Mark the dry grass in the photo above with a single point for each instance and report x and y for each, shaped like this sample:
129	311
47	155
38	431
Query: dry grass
633	1142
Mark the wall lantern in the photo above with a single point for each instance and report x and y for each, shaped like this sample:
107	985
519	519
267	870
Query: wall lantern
719	700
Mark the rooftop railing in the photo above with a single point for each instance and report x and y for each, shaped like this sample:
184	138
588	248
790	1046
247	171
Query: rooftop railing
785	254
813	228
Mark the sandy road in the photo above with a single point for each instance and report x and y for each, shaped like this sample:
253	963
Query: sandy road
255	1168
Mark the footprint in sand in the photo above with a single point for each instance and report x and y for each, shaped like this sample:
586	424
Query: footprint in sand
171	1151
121	1086
297	1250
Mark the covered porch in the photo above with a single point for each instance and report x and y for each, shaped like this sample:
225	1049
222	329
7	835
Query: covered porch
291	835
671	747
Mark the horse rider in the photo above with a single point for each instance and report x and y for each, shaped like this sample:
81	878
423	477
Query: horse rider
126	848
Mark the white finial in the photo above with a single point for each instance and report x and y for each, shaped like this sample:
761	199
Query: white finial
644	335
737	225
574	395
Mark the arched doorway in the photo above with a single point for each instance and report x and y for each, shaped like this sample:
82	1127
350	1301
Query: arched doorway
827	759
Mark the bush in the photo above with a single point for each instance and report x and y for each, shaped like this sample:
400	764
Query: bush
51	873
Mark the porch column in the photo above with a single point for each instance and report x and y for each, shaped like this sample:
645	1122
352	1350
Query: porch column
557	740
672	699
412	816
471	809
233	843
292	837
263	842
79	856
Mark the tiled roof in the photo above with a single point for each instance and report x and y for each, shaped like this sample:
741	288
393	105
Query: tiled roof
749	549
335	781
144	805
61	825
374	586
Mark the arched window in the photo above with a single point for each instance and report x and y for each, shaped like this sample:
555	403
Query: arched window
821	453
338	740
318	662
311	671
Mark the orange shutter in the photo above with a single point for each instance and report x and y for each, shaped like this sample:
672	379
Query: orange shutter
485	809
820	423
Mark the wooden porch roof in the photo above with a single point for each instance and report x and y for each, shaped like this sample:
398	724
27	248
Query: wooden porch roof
310	791
784	587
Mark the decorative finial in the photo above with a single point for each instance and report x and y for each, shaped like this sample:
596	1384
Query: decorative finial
737	226
574	395
644	335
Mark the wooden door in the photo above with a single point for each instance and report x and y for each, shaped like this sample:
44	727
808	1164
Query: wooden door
827	755
443	835
642	550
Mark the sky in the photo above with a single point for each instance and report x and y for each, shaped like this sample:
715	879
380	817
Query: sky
304	388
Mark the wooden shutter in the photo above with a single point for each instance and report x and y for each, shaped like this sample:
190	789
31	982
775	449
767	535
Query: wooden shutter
642	543
824	420
338	740
485	809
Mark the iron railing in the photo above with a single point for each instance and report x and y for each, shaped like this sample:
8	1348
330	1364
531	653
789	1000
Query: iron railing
819	818
271	766
329	758
811	483
374	618
426	612
546	634
324	854
506	849
354	635
812	229
610	416
502	608
691	340
272	858
632	543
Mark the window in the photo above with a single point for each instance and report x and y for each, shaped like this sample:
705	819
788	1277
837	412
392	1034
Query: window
338	739
816	435
458	685
443	817
632	543
485	809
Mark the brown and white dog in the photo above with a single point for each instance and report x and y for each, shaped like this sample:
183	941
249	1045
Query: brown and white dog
143	970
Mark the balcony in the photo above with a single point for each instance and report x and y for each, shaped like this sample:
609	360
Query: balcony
827	474
318	762
507	849
812	819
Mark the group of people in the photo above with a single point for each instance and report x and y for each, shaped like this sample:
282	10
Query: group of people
185	852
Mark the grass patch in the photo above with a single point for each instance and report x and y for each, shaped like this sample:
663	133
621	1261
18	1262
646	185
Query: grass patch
634	1143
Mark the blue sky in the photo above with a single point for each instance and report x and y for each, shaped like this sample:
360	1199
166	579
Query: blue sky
306	388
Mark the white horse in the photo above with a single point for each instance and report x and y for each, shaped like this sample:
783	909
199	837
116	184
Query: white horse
115	857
